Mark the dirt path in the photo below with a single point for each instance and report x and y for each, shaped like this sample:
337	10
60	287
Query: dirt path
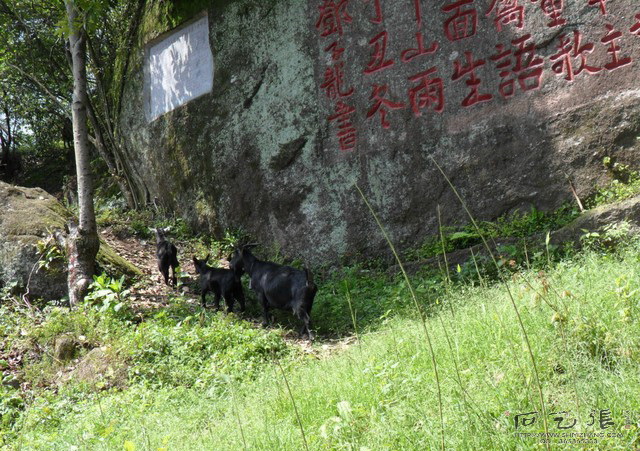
151	293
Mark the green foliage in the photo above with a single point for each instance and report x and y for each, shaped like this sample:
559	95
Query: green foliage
37	82
84	324
11	405
205	350
109	295
52	256
374	297
113	213
231	238
514	225
625	183
179	228
612	237
379	392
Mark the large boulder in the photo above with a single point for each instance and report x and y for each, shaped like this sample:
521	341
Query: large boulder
29	216
309	98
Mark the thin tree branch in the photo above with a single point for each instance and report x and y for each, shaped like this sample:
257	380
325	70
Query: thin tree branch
44	89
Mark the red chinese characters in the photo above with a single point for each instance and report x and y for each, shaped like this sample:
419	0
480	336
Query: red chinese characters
334	81
332	18
378	8
518	66
419	50
382	105
336	51
527	68
464	21
418	11
378	61
636	28
473	81
428	92
553	9
346	131
506	12
600	3
568	50
611	37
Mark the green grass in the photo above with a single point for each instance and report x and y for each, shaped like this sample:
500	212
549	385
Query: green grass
624	184
514	225
582	318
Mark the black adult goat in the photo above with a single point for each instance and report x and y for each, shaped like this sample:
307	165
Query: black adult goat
278	286
167	255
225	282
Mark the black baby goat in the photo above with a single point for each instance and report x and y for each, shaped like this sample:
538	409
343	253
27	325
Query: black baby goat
278	286
167	255
222	282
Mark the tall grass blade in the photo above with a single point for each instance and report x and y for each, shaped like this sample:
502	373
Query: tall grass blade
295	408
446	263
444	250
418	310
353	313
513	302
237	415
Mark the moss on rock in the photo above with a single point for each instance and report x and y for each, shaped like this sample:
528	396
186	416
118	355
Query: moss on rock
29	216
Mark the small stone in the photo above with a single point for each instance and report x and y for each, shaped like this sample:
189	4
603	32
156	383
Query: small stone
65	348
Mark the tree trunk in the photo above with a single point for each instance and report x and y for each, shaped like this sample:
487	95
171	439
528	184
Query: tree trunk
83	242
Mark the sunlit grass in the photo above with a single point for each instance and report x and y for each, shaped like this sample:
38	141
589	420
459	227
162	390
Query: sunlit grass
381	394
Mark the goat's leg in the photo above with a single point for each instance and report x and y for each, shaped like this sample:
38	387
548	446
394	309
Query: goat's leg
165	273
175	278
265	309
239	295
306	322
204	300
228	299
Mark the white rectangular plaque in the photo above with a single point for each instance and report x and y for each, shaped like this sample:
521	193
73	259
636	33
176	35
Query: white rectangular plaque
178	68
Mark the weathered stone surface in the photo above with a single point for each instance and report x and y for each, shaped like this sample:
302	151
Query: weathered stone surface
620	214
30	215
596	220
262	152
100	368
65	348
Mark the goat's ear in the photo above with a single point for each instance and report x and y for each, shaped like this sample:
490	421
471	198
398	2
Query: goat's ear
249	246
206	259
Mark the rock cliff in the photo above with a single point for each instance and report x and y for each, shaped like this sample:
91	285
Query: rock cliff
511	98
